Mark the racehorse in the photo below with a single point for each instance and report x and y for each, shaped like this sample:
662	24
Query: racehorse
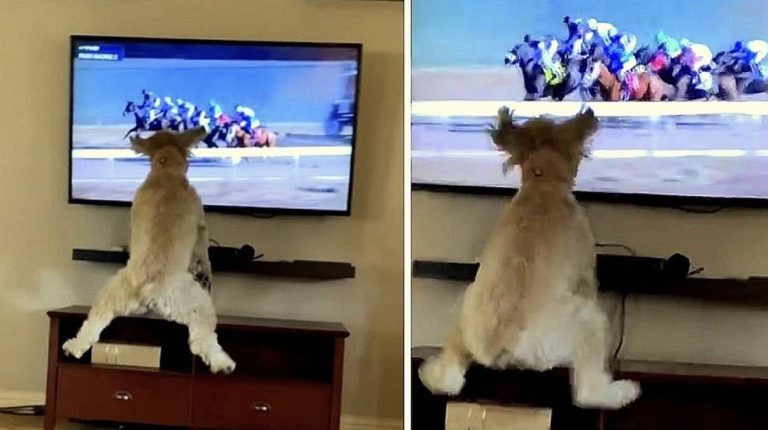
260	137
540	83
141	122
644	86
735	78
675	73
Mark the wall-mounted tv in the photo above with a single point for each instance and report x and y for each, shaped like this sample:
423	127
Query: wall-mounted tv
680	91
281	120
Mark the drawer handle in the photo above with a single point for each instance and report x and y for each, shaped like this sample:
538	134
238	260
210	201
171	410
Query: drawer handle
122	395
261	407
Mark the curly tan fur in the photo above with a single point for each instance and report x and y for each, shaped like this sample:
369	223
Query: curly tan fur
169	242
534	303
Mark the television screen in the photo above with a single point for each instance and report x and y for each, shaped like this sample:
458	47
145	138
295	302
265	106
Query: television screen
280	119
679	88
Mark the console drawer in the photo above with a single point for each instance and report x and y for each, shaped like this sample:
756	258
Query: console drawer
96	393
227	403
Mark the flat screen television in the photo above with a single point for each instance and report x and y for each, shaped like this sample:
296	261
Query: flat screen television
679	88
281	120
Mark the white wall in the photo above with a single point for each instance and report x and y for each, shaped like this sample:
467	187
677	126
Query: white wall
39	228
726	244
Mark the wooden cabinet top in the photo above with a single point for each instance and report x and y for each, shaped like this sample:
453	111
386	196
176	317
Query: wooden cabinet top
238	323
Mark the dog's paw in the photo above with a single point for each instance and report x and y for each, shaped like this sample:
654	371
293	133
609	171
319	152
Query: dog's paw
440	378
221	362
615	395
624	392
75	347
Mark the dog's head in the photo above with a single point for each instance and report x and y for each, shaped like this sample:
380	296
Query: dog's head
544	148
169	149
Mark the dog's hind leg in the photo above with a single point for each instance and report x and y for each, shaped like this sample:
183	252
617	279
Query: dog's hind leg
117	298
184	301
444	373
592	383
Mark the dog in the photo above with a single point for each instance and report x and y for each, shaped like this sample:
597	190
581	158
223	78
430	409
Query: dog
169	253
534	301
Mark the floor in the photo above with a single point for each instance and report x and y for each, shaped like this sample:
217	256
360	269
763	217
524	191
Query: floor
16	422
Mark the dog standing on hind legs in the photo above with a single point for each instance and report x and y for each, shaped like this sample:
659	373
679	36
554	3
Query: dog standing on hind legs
534	302
169	242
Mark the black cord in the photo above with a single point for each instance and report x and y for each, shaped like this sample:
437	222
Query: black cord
700	210
622	327
617	245
214	241
24	410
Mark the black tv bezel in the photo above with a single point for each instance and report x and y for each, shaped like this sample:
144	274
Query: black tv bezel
690	203
242	210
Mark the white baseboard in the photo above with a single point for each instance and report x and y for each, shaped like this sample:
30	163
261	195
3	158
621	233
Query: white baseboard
351	422
10	398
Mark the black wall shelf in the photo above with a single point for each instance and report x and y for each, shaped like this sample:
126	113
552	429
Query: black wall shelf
751	291
321	270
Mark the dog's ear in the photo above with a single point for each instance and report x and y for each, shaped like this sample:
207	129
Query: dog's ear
510	138
582	126
191	137
141	146
506	133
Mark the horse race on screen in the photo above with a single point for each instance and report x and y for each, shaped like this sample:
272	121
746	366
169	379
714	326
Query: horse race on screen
682	96
279	119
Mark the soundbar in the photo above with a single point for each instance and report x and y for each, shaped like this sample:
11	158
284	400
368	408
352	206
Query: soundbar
610	268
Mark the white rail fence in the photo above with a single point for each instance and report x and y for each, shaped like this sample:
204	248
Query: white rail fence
484	108
235	155
616	154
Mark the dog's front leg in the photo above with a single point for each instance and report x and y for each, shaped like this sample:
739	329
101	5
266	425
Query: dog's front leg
200	265
592	383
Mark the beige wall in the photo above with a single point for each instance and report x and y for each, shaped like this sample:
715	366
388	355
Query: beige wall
726	244
39	228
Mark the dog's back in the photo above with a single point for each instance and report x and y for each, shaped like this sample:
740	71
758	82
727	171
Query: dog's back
542	245
166	213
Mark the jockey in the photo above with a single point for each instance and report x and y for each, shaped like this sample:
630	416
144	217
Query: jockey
190	110
668	45
753	53
182	108
759	48
154	113
576	28
621	55
698	55
575	45
546	49
186	111
148	99
200	119
249	121
604	32
167	105
215	111
628	44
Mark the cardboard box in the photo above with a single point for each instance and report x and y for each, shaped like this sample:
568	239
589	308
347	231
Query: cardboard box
120	354
475	416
